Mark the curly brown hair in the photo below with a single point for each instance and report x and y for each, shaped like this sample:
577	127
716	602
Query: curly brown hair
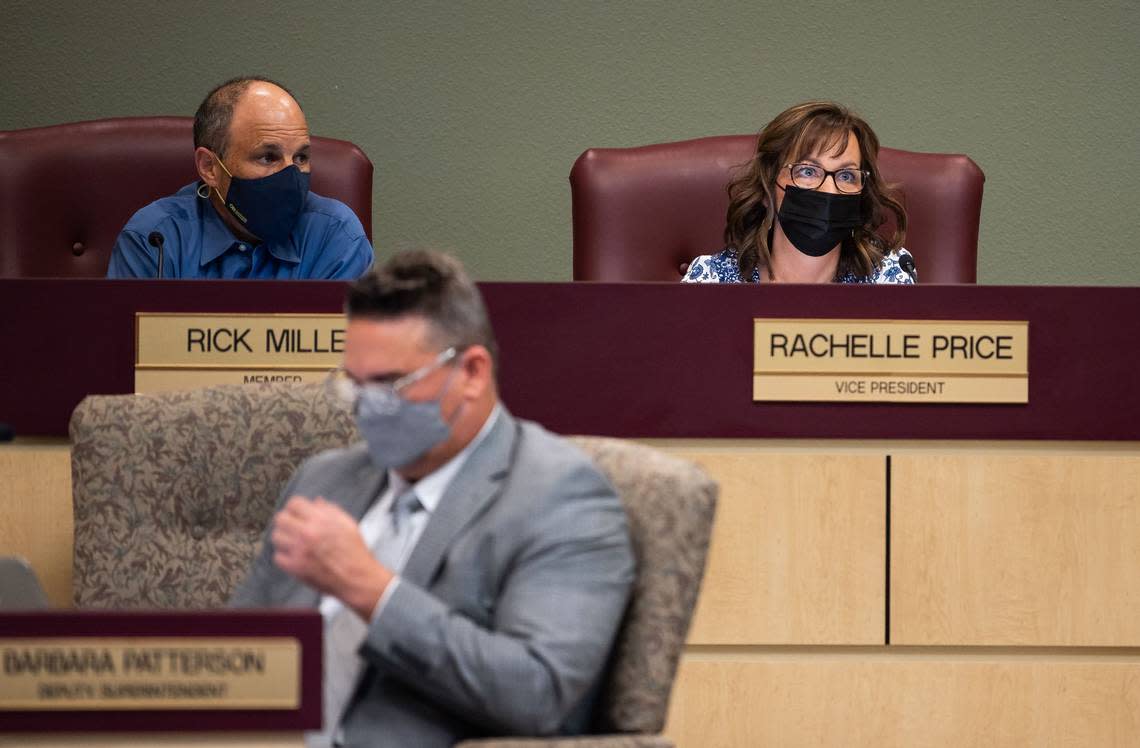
811	127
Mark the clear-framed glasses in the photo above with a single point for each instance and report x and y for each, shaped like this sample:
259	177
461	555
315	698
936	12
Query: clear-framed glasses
385	395
810	177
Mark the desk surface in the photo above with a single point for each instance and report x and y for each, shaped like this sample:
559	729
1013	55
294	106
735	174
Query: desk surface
631	360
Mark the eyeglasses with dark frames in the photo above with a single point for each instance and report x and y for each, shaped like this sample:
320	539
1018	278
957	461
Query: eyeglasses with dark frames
809	176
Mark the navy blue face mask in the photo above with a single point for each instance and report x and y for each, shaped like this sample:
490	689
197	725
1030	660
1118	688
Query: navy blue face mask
268	207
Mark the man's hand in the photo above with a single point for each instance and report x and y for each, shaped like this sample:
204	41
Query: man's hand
319	543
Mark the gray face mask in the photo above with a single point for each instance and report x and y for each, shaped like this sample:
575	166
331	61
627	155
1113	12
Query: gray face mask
399	431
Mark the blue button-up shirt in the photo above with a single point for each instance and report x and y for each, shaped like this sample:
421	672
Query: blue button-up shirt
328	242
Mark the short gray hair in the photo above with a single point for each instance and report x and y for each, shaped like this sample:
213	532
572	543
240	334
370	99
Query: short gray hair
428	284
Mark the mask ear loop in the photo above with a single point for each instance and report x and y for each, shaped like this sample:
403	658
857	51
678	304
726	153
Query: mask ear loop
208	187
222	164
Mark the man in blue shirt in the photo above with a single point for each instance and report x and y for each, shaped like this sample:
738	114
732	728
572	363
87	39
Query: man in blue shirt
251	215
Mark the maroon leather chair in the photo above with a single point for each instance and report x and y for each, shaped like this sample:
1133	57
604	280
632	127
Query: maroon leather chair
642	214
67	190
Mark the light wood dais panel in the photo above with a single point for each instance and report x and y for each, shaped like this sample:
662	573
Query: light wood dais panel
1015	550
798	550
35	513
889	699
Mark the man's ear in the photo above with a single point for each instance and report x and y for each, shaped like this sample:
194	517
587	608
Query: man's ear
479	368
208	169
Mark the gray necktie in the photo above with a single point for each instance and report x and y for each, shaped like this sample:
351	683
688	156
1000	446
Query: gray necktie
345	631
405	505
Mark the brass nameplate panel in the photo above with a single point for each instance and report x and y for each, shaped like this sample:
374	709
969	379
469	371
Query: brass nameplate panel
250	341
170	380
187	351
132	673
809	360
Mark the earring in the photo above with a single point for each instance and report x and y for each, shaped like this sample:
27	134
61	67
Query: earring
205	187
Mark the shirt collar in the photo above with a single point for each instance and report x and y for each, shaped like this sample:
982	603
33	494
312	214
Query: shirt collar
217	239
430	488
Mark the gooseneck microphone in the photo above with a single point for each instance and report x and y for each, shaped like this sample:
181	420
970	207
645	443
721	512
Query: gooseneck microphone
906	262
156	240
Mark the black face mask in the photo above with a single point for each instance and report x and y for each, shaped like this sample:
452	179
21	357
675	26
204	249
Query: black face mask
815	222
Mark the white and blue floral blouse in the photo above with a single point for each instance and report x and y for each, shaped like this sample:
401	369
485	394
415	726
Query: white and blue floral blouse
723	268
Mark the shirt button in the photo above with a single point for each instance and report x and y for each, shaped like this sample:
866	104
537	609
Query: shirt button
242	247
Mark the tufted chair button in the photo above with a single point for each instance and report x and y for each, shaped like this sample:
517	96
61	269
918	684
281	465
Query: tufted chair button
78	249
683	268
197	532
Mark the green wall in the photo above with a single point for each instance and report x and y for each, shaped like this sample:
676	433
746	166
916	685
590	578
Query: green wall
474	112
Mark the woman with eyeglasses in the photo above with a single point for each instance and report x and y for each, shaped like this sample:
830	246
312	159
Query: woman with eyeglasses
807	207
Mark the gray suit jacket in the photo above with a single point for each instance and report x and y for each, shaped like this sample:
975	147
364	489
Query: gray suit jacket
507	606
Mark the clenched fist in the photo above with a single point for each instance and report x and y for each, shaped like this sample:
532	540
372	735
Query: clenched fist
319	543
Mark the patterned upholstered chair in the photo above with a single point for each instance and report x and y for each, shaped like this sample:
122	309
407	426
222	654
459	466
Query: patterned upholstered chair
173	491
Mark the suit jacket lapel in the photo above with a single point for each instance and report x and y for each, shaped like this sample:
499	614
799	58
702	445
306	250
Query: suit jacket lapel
361	489
470	493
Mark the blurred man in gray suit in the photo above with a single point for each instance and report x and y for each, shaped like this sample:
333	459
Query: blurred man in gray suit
471	568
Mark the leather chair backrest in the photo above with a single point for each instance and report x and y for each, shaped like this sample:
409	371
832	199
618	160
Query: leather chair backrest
67	190
642	214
